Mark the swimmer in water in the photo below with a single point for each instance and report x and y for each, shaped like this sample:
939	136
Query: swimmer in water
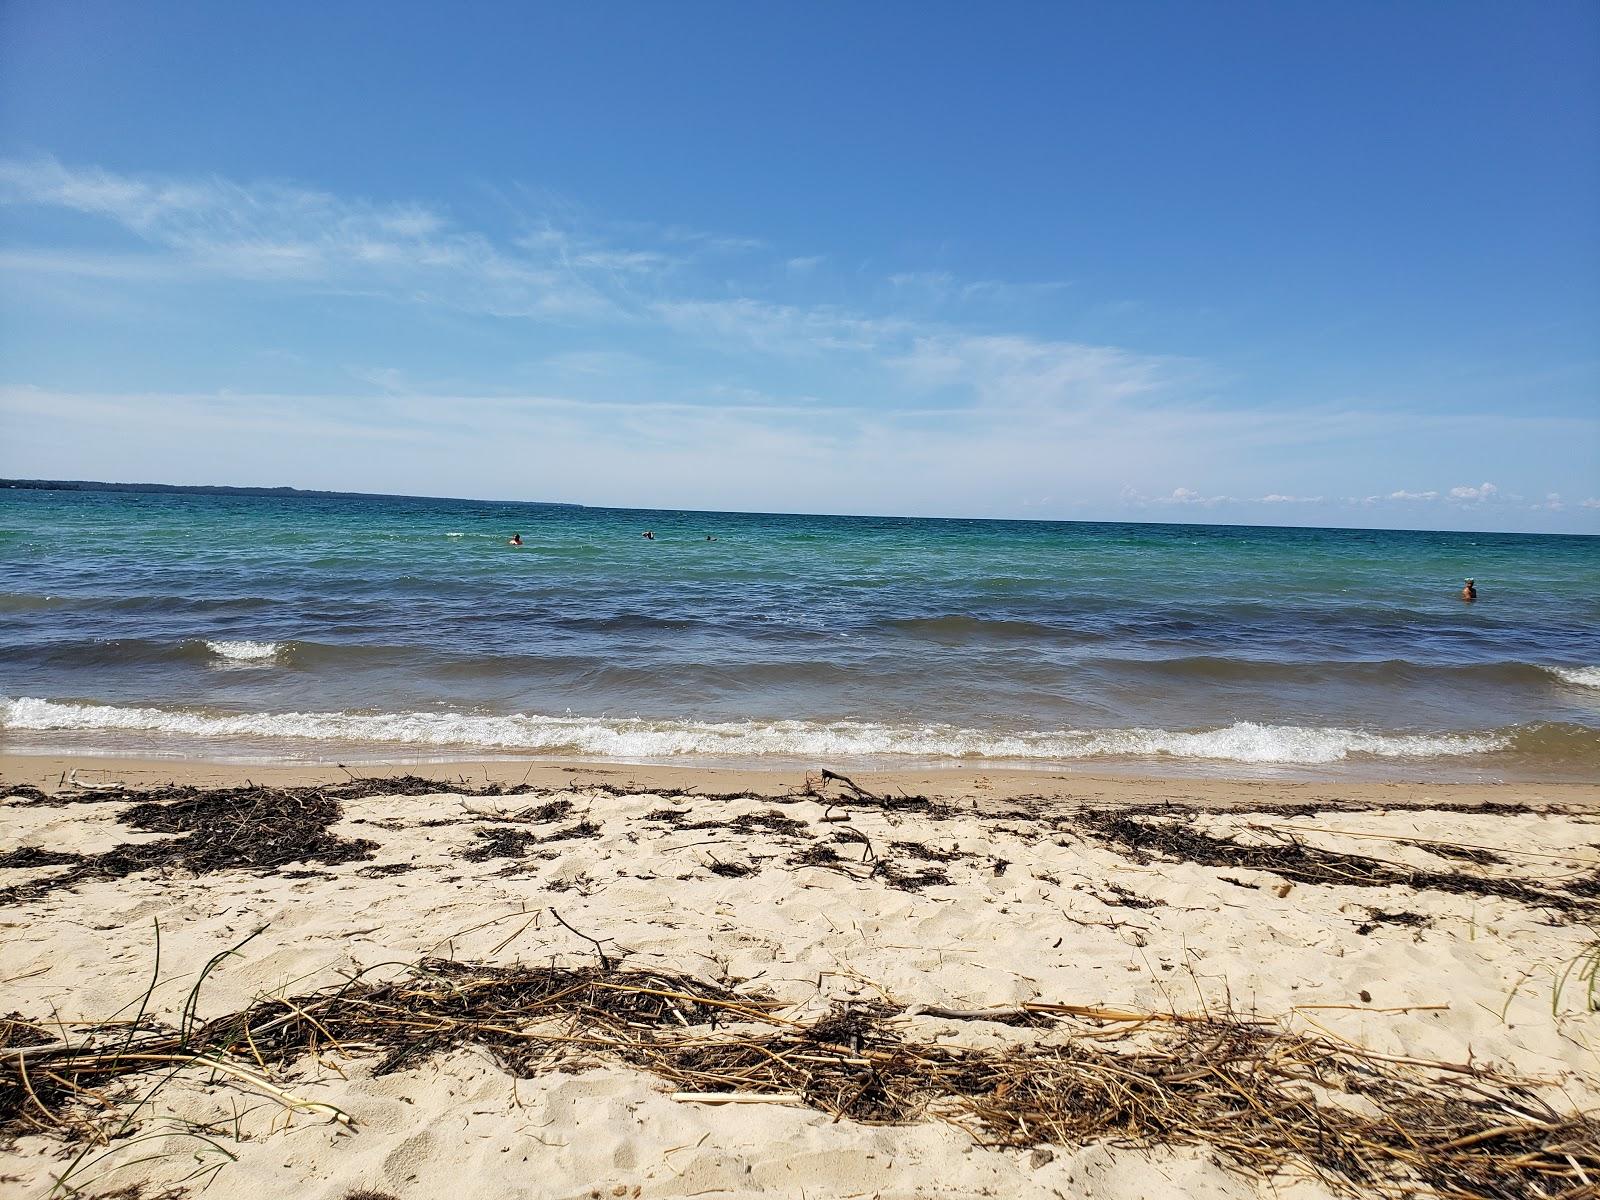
514	540
1469	593
648	535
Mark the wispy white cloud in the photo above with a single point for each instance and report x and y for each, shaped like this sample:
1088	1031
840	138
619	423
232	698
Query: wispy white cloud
1184	496
587	252
751	324
387	379
1483	491
1178	496
279	233
944	287
922	357
1023	372
141	268
721	243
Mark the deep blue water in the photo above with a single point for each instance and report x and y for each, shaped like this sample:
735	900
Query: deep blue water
323	627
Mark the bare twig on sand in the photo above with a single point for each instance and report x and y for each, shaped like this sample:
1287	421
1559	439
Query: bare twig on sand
599	949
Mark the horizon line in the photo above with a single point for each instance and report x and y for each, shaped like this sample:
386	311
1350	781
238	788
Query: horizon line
286	491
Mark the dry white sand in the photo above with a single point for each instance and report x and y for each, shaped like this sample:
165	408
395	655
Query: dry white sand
1473	982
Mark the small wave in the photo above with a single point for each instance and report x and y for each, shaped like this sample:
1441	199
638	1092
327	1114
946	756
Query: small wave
131	652
959	627
628	622
1241	742
1578	676
1384	673
19	602
244	651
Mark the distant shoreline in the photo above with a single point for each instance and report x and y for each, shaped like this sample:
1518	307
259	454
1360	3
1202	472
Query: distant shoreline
217	489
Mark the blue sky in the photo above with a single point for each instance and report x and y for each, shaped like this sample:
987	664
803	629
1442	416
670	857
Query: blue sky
1279	263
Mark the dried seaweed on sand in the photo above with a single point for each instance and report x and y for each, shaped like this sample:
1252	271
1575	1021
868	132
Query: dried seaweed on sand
215	829
1170	833
1273	1103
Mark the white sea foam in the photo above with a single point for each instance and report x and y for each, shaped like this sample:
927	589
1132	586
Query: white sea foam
1580	676
602	737
244	651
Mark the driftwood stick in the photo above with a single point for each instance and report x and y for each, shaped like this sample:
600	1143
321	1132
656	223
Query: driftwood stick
739	1097
74	781
860	792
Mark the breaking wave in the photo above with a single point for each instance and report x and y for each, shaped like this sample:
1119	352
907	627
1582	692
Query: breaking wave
636	738
244	651
1579	676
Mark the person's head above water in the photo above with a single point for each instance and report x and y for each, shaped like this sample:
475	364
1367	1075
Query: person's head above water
514	540
1469	590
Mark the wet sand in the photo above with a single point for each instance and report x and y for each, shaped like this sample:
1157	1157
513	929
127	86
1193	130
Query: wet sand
973	786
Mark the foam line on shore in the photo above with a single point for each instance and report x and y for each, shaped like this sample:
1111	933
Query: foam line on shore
603	737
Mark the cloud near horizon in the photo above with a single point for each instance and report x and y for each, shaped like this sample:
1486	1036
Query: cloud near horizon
634	364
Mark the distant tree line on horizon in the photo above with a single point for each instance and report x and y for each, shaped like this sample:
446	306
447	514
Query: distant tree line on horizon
207	489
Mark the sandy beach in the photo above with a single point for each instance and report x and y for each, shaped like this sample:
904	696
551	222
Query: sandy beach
1350	959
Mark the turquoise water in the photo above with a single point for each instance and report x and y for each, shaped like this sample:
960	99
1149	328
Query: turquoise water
337	627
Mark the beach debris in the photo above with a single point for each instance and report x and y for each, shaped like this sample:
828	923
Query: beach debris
584	828
500	842
248	828
32	856
859	792
597	943
1376	917
1117	896
768	821
739	1097
929	853
1481	855
851	792
74	782
1168	831
553	810
817	855
1267	1099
